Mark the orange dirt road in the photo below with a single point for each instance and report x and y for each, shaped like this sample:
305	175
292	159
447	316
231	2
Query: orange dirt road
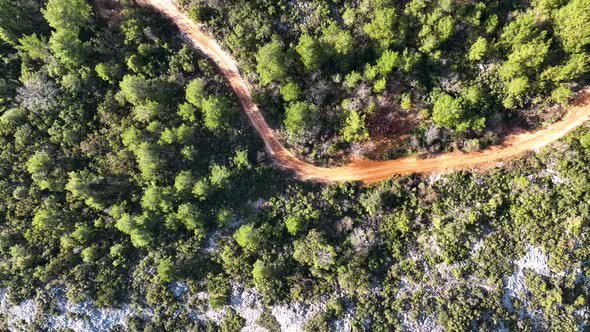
365	170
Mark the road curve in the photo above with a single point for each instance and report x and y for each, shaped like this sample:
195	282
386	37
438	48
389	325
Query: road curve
366	171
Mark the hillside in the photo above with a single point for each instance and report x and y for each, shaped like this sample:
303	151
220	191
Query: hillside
144	188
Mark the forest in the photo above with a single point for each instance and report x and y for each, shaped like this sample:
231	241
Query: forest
127	166
418	77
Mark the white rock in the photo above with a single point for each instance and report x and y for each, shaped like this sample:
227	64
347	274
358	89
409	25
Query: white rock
514	285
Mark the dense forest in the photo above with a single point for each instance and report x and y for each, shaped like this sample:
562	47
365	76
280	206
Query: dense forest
416	76
126	165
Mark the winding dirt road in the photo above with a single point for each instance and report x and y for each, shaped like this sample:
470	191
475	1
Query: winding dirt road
365	170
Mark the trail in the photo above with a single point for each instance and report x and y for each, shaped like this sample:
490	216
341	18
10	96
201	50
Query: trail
366	171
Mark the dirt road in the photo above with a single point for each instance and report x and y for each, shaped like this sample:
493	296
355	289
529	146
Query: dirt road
364	170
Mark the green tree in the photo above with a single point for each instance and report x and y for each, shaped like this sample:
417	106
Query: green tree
191	217
240	159
147	111
219	176
515	89
44	172
108	72
195	91
168	136
18	18
260	271
131	137
140	237
382	27
270	63
90	254
232	322
338	39
201	12
184	182
574	67
149	159
387	62
406	101
134	89
34	46
527	46
218	112
201	188
166	270
290	91
67	14
293	224
81	184
310	52
396	228
218	289
10	120
380	85
268	321
187	112
314	252
384	66
225	217
319	322
585	140
447	111
355	129
117	253
572	24
247	237
351	79
478	49
67	47
299	116
83	233
561	94
152	198
352	280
